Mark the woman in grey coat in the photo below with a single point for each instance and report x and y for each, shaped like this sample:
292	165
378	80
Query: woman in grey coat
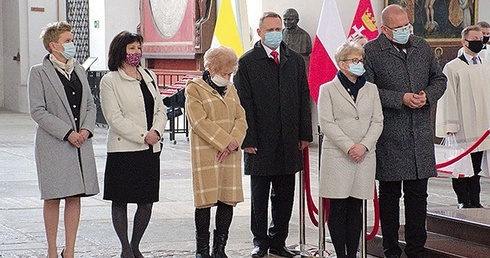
351	117
61	104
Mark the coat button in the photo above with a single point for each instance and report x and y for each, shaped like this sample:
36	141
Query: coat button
357	118
142	135
119	138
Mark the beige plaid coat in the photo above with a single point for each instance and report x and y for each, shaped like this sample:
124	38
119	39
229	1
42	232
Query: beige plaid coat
214	121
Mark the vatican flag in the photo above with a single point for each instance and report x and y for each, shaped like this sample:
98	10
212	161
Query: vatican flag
227	31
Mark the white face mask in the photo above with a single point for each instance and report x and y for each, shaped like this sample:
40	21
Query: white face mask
220	81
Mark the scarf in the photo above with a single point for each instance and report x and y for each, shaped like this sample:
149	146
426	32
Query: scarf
65	69
206	76
350	87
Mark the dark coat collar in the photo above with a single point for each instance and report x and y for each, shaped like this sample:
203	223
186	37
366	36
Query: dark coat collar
259	52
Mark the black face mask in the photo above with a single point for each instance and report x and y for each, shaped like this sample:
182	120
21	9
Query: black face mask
475	45
485	39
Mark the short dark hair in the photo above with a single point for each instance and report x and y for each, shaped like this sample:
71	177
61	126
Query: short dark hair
117	49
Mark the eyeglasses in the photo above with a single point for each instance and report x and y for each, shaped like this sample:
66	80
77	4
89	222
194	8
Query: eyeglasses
354	60
405	28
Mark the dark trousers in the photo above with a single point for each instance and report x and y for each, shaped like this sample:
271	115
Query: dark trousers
281	189
415	198
345	224
468	189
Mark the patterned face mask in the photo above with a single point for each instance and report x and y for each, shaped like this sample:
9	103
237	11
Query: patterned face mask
133	59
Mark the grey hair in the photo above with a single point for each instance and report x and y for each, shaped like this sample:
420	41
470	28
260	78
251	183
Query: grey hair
346	49
220	57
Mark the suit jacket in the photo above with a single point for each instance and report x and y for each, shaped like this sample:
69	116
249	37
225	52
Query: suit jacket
345	123
124	110
405	150
60	172
276	100
214	121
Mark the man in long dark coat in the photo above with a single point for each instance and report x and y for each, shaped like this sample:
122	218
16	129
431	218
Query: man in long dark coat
273	90
409	81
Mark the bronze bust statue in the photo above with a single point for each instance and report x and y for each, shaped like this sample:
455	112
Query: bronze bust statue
295	37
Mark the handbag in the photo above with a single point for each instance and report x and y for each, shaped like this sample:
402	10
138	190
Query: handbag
448	149
485	165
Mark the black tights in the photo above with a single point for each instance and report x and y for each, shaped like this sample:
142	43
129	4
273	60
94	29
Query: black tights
345	224
224	215
120	222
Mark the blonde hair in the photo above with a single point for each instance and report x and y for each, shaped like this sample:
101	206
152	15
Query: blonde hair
346	49
220	57
52	31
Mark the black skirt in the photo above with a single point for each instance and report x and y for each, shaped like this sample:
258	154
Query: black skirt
132	177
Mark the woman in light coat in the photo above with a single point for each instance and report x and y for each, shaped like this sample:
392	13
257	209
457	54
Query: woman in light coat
61	103
351	118
134	110
218	127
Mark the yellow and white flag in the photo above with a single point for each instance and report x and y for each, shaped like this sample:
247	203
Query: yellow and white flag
227	30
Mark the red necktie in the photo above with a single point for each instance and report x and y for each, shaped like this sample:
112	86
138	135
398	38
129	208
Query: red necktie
275	55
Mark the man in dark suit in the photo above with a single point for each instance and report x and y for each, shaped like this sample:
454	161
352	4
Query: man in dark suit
272	86
409	81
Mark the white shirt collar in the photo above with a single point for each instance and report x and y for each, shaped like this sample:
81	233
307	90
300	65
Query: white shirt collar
268	51
469	58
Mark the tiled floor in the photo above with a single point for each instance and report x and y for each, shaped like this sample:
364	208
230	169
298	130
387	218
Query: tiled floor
171	230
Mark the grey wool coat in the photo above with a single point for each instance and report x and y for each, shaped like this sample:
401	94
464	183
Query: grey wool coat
276	100
405	149
62	169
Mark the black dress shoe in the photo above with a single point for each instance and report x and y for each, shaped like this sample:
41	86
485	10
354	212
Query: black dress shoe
258	252
281	251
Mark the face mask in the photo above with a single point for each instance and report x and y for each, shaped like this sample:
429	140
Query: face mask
70	50
357	69
133	59
401	35
220	81
273	39
475	45
485	39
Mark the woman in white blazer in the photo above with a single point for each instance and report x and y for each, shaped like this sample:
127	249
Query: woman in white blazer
133	108
61	103
351	119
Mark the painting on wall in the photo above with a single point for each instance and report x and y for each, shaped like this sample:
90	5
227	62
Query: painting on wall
439	20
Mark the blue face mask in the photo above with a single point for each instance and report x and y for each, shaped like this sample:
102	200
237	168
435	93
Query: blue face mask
70	50
357	69
273	39
401	35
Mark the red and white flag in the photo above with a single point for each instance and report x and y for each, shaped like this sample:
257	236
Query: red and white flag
364	22
329	36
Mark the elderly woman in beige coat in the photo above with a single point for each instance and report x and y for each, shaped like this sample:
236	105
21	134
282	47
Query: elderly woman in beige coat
218	127
351	119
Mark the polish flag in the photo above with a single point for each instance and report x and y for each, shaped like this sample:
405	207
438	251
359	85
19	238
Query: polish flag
329	36
364	22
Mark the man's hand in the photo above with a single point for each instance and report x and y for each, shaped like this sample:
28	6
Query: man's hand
250	150
414	101
302	145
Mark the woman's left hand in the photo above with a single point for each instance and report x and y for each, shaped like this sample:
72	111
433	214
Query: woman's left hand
222	155
357	152
152	137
